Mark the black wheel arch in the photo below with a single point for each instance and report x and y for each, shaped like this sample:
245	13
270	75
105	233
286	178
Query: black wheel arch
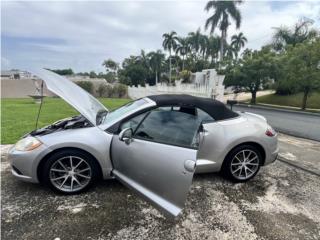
43	160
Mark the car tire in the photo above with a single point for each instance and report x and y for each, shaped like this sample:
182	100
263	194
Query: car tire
242	163
70	171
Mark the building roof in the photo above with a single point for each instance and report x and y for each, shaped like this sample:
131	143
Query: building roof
216	109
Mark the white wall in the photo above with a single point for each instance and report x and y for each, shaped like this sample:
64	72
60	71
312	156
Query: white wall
206	84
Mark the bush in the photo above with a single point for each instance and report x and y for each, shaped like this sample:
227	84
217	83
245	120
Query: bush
109	91
285	87
164	79
120	90
102	90
185	76
86	85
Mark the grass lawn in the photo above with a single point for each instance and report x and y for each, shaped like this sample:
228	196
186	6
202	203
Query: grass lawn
294	100
18	116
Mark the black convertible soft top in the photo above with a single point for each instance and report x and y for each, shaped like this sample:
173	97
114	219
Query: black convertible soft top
216	109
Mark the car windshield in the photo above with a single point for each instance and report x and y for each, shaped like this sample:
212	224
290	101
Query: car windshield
117	113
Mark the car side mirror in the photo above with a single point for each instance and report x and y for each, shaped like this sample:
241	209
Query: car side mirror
126	135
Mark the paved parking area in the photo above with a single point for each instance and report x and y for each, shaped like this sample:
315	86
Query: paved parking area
282	202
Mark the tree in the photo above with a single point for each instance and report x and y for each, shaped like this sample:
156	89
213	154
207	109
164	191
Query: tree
134	74
302	68
212	49
63	72
169	43
86	85
230	52
238	42
299	33
204	41
183	48
92	74
102	89
143	59
112	68
156	62
194	39
110	65
247	52
223	11
253	72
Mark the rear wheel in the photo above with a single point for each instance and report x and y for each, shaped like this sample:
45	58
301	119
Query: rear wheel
242	163
70	171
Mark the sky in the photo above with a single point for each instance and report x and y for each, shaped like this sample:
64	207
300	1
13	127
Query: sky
81	34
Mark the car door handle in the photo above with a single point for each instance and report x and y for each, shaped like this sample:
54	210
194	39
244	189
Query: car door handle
190	165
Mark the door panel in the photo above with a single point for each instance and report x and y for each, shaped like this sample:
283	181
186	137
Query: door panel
161	173
211	147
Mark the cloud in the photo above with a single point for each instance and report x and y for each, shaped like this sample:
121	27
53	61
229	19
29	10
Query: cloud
5	63
81	34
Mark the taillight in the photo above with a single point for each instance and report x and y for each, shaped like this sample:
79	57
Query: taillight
270	132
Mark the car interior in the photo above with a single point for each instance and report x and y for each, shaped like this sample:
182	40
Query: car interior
173	125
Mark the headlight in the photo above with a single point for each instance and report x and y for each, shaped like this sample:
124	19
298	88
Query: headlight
27	144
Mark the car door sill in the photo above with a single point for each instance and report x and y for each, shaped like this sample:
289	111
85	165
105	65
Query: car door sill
160	202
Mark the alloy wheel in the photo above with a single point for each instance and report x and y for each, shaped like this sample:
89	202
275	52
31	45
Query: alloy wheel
70	174
244	164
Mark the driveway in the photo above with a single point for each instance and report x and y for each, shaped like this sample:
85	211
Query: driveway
281	202
289	122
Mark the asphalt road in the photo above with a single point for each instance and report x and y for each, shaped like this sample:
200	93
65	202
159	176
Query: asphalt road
281	202
296	124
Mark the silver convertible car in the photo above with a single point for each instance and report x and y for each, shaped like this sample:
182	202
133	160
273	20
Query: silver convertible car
153	145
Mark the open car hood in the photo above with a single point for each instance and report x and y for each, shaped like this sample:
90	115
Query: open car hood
77	97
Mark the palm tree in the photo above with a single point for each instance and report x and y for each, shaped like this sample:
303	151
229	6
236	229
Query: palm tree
204	41
195	39
183	48
238	42
143	59
213	47
230	51
223	11
298	34
169	43
156	60
247	53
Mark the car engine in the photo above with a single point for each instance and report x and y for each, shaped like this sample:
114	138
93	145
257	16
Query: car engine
63	124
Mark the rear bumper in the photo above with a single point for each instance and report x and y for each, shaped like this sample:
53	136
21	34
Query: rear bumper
270	158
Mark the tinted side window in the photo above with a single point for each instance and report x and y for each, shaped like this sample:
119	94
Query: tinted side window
203	116
170	127
133	122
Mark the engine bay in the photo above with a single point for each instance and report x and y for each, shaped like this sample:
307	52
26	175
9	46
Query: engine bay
63	124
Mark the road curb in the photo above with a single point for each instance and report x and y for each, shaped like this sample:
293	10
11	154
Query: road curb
294	134
284	160
277	109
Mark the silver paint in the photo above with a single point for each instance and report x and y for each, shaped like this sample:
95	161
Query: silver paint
161	173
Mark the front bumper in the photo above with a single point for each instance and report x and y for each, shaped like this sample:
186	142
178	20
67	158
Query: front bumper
24	164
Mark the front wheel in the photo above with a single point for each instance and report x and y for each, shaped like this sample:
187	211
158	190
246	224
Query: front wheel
70	171
242	163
